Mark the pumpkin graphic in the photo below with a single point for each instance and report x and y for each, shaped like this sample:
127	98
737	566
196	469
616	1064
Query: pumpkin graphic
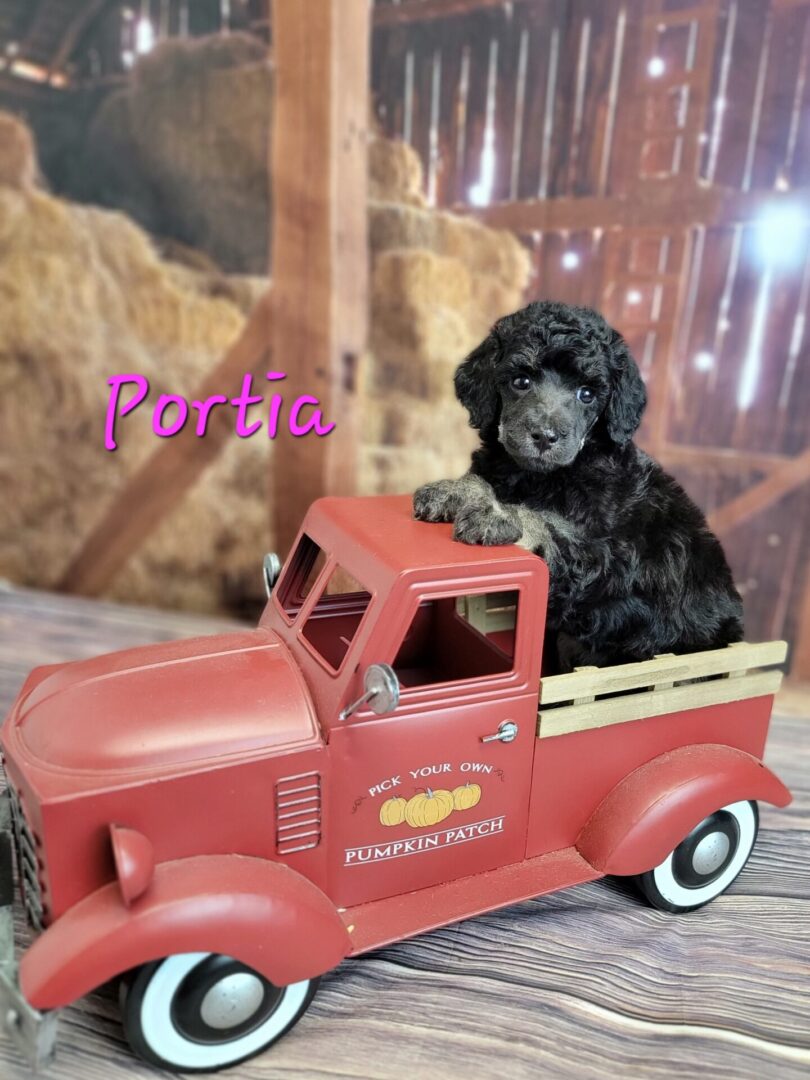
428	808
466	796
392	811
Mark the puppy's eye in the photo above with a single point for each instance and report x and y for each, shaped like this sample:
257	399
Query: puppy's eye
585	395
521	382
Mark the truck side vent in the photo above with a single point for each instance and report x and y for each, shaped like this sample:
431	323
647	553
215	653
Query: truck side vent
298	813
27	862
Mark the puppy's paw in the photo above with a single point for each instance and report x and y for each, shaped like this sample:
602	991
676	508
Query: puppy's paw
489	525
438	501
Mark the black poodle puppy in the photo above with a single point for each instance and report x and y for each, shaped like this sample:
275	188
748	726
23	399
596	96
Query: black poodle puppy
634	570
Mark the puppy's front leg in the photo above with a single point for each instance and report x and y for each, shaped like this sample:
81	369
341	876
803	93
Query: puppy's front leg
492	522
444	499
487	521
540	531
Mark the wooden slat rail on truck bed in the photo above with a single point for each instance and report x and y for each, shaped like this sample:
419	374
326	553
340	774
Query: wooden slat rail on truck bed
579	701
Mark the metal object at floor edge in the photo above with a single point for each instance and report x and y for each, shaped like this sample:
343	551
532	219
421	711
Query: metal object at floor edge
33	1032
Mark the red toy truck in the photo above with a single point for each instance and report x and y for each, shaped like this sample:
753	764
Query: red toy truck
219	821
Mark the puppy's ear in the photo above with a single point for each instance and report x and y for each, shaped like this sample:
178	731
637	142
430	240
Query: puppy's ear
475	383
628	396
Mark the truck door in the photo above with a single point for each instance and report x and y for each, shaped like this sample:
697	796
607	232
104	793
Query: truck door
439	788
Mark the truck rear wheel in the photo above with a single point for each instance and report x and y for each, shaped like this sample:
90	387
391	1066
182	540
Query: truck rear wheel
705	862
200	1012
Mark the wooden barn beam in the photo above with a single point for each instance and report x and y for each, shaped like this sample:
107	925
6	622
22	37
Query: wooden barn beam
782	480
652	205
427	10
320	248
156	487
655	205
724	459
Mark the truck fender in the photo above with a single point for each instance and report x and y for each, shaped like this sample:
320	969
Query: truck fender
261	913
651	810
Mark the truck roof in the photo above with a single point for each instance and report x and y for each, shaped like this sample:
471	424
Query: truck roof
385	532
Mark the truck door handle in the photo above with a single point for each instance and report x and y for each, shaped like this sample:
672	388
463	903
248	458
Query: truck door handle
507	732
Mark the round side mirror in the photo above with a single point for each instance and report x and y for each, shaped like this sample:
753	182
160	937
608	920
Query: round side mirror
271	568
382	688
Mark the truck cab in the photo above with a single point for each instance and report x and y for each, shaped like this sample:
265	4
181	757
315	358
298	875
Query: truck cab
221	820
462	629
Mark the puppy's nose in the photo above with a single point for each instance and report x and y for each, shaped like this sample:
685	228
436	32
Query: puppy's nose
546	435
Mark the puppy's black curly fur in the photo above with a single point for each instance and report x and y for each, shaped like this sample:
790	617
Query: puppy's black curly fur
634	569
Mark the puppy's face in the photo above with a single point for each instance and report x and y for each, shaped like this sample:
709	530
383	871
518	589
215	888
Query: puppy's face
548	407
548	377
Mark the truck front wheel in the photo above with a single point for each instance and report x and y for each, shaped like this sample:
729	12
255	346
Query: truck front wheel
705	862
200	1012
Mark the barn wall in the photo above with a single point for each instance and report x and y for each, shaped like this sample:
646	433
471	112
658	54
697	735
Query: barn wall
538	103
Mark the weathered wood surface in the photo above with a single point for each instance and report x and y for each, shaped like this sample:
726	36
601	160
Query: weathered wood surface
583	984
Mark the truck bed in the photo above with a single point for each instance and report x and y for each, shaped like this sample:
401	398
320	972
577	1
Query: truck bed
592	697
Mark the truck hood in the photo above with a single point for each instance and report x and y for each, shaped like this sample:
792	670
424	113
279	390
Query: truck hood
196	700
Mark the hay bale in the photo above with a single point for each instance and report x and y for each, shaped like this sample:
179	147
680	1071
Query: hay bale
184	148
416	279
395	172
84	295
391	470
420	360
493	252
177	61
18	157
393	418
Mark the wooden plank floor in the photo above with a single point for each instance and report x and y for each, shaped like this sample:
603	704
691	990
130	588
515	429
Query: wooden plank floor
584	983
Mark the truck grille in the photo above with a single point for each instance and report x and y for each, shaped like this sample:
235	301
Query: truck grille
27	862
298	813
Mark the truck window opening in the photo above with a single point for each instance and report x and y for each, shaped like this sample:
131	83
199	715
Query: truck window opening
459	637
336	617
303	570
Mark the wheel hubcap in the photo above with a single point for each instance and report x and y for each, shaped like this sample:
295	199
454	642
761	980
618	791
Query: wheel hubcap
232	1001
220	1000
710	853
706	852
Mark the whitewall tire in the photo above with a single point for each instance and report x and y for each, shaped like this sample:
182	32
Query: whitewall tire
200	1012
705	862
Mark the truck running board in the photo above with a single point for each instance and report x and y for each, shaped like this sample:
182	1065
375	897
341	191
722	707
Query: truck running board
380	922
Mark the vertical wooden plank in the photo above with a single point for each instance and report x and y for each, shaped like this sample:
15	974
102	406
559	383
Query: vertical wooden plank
739	99
569	84
451	42
585	172
798	150
421	43
320	252
698	361
540	20
390	45
507	32
623	165
771	150
480	38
